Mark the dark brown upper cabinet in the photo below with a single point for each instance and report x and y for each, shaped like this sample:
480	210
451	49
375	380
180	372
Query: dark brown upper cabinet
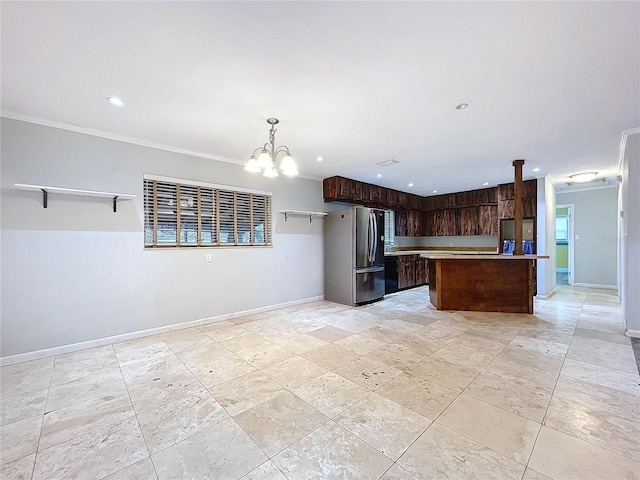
473	212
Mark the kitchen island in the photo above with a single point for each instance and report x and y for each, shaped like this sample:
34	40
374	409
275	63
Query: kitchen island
482	282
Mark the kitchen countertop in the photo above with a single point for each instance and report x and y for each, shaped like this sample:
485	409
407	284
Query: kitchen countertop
423	252
479	256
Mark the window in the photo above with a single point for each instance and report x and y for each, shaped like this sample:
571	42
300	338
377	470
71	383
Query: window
196	214
389	229
562	228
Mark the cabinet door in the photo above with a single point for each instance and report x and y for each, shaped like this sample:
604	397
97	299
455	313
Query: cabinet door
448	222
469	221
337	188
376	196
421	271
406	274
401	224
430	221
488	220
414	223
361	191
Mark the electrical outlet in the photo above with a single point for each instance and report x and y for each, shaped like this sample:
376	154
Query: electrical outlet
208	258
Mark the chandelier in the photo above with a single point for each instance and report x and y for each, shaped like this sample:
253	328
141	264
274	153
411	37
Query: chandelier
266	160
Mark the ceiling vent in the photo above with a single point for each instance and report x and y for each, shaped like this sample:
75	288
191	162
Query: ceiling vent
388	163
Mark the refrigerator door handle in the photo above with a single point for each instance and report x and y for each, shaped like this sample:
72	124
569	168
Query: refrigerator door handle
375	237
371	237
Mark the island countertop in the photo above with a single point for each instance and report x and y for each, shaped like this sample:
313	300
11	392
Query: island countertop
481	256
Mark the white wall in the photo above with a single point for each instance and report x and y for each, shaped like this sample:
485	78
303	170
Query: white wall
546	233
630	242
76	271
595	220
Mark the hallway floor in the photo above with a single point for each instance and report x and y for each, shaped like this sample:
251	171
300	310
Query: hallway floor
394	390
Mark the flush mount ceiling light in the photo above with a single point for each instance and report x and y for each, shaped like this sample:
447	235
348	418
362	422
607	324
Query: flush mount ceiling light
319	159
379	175
435	191
118	102
410	185
462	106
485	184
537	169
583	177
266	161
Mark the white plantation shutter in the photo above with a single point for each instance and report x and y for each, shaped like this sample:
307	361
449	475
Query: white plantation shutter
188	203
202	215
208	222
243	217
226	205
261	219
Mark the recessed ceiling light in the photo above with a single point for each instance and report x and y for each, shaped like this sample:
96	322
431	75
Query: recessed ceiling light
462	106
583	177
319	159
379	175
435	191
411	184
485	184
537	169
118	102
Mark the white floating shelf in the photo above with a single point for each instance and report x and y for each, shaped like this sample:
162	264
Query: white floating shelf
73	191
302	213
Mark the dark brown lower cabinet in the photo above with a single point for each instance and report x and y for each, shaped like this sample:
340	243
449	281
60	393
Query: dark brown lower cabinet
422	271
406	274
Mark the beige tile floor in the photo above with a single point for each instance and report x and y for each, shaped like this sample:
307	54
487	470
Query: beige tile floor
394	391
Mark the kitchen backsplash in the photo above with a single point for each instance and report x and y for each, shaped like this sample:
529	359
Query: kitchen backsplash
468	241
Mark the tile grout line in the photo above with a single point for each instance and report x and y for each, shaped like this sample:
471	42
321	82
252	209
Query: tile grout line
135	414
35	459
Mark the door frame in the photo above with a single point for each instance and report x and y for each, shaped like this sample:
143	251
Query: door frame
570	240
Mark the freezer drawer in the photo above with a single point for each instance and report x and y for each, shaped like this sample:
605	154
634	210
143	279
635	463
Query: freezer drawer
369	286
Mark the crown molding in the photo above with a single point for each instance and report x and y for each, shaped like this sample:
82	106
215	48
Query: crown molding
123	138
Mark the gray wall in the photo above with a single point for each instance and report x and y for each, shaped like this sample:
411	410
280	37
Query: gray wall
76	271
595	221
630	227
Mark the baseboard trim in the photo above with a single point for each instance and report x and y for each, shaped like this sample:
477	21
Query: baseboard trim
595	285
632	333
99	342
549	294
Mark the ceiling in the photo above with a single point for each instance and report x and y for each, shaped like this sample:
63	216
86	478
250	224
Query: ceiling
554	83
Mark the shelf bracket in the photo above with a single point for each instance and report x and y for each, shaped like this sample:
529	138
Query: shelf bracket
286	216
44	197
114	203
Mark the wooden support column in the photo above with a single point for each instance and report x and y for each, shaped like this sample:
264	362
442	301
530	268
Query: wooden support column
517	214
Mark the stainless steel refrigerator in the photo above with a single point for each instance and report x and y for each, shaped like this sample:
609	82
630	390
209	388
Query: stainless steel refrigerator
354	256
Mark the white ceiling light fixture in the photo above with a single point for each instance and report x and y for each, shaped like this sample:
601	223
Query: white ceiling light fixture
266	161
583	177
411	184
379	175
435	191
537	169
116	101
485	184
319	159
462	106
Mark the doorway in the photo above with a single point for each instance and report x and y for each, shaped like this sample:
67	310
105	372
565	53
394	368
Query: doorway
564	245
